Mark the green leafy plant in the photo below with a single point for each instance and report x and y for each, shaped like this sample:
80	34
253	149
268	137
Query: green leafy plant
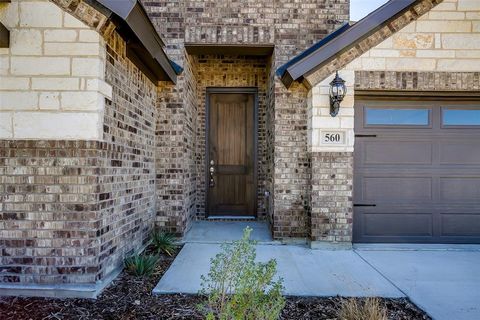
365	309
237	287
141	265
163	242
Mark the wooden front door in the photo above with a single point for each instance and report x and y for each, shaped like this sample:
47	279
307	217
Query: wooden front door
231	170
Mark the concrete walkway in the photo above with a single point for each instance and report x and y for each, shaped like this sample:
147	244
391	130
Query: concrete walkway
444	283
442	280
227	231
305	272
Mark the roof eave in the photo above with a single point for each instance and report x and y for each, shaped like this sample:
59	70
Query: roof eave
4	32
345	40
135	23
4	36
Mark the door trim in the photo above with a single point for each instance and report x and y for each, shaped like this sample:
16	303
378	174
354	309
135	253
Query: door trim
214	90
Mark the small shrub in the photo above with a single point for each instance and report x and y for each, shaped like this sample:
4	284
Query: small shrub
163	242
141	265
366	309
239	288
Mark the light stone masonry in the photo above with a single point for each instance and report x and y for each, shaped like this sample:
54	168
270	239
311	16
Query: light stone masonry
49	125
446	39
55	64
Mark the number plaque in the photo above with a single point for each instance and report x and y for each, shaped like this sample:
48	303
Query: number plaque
330	137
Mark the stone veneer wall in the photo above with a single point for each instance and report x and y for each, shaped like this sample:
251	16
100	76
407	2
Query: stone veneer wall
436	50
53	72
72	209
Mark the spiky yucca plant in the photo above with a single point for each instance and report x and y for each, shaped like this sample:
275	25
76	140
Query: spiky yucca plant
141	265
163	242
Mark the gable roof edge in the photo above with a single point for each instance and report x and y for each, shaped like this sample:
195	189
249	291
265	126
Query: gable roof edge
326	50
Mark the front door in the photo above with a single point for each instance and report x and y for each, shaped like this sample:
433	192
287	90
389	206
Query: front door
231	170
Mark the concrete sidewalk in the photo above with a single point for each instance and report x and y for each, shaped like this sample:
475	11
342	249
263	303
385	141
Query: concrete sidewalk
227	231
443	280
305	272
446	284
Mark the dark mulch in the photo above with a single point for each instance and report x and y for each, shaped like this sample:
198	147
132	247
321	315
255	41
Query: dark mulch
130	298
326	308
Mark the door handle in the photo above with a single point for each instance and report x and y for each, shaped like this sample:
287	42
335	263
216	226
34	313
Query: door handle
211	183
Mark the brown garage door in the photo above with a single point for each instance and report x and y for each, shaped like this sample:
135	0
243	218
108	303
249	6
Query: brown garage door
417	172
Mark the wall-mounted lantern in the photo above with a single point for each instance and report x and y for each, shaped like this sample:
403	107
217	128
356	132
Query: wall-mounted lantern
338	90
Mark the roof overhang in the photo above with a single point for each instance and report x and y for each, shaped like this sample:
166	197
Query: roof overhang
4	33
344	38
4	37
144	45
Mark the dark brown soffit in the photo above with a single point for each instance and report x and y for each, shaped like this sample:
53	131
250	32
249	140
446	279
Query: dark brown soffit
4	36
344	38
4	33
229	49
145	47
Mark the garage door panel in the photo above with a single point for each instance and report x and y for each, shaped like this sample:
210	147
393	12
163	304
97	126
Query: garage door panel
416	183
397	189
397	224
460	224
397	152
460	189
460	153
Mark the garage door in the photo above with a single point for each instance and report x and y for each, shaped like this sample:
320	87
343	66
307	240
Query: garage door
417	172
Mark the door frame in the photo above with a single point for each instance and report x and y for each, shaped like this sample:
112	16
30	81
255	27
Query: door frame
216	90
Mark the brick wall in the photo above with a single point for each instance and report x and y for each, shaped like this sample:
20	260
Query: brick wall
49	211
291	172
331	196
127	176
290	27
72	209
176	151
231	71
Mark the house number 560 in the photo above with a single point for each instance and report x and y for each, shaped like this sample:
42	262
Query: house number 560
332	137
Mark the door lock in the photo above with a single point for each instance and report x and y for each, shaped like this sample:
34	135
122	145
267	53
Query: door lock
212	171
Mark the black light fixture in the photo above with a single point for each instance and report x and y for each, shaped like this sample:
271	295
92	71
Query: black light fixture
338	90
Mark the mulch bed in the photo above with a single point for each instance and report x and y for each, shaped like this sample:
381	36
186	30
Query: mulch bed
129	297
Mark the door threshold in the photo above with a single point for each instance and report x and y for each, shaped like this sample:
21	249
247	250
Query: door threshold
233	218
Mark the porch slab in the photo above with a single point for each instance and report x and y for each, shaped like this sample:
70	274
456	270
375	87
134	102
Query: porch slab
305	272
227	231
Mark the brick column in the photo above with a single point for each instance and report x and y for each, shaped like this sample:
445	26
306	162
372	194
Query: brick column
332	166
291	176
331	197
